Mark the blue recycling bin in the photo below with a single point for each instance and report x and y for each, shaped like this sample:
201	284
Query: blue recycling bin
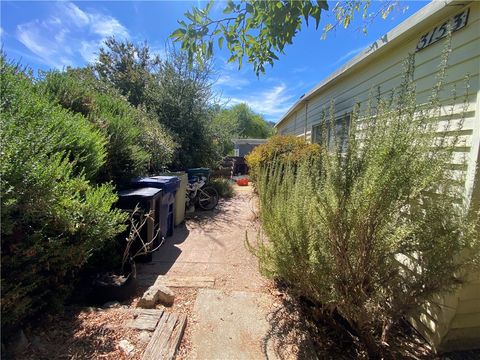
169	186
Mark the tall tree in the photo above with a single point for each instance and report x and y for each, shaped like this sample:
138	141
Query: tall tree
128	67
177	92
184	103
239	121
243	122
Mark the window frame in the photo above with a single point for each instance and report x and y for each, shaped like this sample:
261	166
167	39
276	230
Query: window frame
344	118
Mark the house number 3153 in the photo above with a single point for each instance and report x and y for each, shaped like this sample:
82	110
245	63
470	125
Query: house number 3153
438	32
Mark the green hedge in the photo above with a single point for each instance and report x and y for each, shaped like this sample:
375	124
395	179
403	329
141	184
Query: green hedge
53	218
284	149
136	142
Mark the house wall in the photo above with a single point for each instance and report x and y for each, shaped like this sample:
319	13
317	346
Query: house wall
449	321
245	149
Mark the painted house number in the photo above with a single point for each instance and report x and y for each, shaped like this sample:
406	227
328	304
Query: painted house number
438	32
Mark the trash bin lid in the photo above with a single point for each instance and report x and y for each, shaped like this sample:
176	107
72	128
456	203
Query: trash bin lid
198	170
166	183
146	192
130	197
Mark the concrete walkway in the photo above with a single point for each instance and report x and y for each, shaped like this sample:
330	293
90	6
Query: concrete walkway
232	325
232	305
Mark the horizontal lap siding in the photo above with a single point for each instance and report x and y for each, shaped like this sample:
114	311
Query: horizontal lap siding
453	320
385	73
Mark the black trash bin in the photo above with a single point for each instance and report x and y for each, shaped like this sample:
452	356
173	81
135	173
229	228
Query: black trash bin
169	186
147	200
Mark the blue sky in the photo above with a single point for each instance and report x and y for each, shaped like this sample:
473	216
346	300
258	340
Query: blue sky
47	34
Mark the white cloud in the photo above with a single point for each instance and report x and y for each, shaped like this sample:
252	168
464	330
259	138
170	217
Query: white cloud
74	13
272	103
106	26
52	40
31	35
229	76
60	36
89	49
232	81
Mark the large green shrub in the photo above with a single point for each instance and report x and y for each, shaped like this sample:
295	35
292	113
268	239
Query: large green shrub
86	144
136	142
176	94
373	229
283	149
53	219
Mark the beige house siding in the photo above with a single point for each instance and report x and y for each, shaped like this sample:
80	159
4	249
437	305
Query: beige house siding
449	321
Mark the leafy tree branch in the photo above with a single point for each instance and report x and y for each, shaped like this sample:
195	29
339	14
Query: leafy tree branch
260	30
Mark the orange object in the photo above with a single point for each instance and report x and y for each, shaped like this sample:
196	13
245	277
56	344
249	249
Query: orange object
242	182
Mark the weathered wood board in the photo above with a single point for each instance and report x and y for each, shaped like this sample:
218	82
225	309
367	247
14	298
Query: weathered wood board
177	281
166	337
187	281
145	319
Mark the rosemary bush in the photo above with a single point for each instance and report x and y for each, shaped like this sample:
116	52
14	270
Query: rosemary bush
375	226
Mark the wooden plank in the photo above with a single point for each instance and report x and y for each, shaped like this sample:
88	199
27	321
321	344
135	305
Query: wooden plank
145	319
176	338
150	353
159	337
187	281
169	328
166	338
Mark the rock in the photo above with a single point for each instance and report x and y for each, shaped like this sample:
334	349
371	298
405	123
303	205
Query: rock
126	347
111	305
149	298
156	293
165	295
144	337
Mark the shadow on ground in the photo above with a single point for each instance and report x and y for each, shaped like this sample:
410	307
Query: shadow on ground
227	212
163	259
68	336
300	331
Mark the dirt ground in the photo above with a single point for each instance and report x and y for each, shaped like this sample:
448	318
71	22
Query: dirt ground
212	244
